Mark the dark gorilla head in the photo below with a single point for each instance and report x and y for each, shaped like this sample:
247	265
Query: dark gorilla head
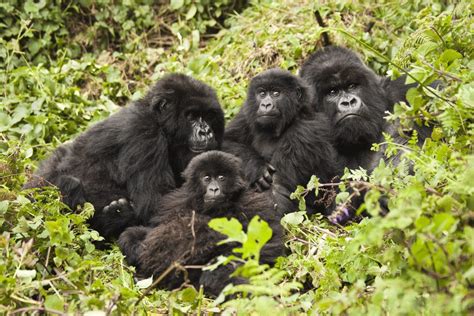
349	93
274	99
188	111
214	179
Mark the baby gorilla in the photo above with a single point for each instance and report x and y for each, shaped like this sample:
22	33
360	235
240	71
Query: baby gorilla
214	187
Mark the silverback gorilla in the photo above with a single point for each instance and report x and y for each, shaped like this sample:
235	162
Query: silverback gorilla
137	154
214	187
355	99
280	139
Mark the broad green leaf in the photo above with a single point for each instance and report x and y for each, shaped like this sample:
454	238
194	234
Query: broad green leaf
176	4
294	218
54	302
228	227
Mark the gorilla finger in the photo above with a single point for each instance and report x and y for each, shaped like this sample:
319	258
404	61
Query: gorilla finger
271	169
264	185
123	201
267	177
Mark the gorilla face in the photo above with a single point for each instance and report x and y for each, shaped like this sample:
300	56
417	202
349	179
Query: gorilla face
275	99
350	94
189	112
216	180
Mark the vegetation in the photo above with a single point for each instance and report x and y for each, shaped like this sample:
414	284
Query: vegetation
66	64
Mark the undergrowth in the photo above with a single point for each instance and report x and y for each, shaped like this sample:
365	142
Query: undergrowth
67	64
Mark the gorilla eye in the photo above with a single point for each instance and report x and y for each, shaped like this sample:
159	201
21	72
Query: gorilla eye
276	93
333	91
352	86
206	178
221	178
262	93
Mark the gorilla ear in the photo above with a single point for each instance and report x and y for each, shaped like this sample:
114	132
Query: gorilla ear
159	104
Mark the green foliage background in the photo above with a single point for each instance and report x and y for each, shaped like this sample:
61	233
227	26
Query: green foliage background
67	64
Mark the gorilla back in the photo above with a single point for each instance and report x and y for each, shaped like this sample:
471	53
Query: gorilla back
137	154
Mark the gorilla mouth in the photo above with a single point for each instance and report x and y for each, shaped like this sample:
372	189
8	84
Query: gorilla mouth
268	115
198	150
348	116
201	147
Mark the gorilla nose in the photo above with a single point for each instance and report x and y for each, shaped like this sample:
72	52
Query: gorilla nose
266	105
214	191
349	104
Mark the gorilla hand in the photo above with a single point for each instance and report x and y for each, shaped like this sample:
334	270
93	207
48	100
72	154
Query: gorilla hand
264	182
121	205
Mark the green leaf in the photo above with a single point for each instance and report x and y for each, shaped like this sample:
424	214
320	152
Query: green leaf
294	218
228	227
176	4
191	12
258	233
449	55
54	302
188	295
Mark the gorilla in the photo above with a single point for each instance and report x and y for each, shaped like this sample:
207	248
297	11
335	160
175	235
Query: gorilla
356	99
179	232
280	139
136	155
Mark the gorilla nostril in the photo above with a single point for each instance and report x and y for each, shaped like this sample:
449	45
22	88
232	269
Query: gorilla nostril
354	101
344	103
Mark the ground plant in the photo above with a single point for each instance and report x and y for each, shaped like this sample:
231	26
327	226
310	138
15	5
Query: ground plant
67	64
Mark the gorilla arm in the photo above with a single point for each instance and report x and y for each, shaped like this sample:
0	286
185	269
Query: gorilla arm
237	141
146	172
306	150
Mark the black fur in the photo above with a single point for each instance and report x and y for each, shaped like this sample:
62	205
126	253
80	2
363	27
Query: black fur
137	153
180	232
296	142
341	71
337	68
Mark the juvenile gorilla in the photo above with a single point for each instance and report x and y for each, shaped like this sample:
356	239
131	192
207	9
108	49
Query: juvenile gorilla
355	99
136	154
280	139
214	187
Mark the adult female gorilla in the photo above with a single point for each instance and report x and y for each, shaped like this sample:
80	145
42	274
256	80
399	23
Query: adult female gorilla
136	154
